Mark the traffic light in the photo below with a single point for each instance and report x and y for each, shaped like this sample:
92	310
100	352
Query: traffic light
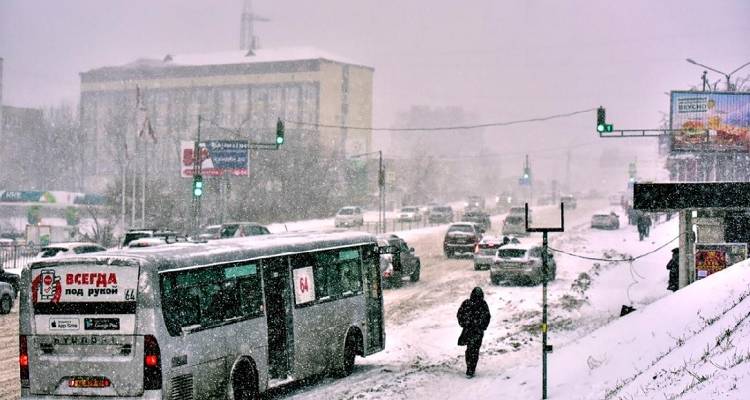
279	132
601	121
197	186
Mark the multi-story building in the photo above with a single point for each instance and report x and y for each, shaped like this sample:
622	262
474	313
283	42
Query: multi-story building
237	94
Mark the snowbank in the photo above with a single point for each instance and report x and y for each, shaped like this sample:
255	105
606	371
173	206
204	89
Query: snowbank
688	345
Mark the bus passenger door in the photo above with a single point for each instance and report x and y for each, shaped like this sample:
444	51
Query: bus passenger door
374	293
278	314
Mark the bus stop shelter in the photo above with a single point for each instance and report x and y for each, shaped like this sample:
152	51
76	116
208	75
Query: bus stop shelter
708	212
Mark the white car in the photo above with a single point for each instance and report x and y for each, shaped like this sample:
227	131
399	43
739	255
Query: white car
409	214
62	249
349	216
514	262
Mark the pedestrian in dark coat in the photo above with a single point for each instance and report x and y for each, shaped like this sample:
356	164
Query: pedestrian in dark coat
474	317
642	224
673	266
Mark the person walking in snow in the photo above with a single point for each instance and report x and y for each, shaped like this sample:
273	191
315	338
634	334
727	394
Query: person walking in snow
642	222
673	266
474	317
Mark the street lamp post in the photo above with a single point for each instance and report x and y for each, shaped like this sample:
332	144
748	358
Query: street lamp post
727	76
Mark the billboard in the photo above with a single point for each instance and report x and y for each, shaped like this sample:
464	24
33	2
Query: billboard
217	158
714	257
710	121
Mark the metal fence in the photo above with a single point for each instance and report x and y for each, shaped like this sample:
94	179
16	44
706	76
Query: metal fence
17	256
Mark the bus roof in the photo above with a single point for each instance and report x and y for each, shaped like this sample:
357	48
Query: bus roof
182	255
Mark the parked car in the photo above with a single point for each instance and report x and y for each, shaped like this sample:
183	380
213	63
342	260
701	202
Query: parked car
440	215
478	216
134	234
349	216
521	262
210	232
63	249
402	261
7	294
515	225
409	214
461	237
240	229
569	202
605	221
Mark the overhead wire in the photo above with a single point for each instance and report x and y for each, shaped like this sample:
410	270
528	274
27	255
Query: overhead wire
442	128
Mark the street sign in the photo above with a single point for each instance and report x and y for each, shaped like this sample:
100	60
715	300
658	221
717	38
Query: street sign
217	157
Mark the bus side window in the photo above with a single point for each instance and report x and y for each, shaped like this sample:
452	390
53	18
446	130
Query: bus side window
350	270
324	275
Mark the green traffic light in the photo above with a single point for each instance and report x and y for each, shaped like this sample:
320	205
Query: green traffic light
197	192
600	128
279	140
608	127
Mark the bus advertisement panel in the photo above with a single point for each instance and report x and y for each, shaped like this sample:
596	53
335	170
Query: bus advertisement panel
710	121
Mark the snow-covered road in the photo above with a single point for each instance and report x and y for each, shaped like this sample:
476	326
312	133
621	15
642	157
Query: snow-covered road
422	361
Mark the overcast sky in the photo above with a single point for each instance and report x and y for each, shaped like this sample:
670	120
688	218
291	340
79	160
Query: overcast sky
499	60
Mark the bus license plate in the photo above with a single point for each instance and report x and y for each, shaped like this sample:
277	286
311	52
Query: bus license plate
88	382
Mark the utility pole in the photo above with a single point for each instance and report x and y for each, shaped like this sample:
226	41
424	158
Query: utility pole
545	274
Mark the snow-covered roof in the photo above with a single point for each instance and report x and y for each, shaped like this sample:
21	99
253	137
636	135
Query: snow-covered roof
256	56
233	57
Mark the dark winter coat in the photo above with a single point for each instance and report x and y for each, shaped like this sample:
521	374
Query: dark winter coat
673	266
473	316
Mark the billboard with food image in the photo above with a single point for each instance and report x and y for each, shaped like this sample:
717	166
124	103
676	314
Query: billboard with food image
710	121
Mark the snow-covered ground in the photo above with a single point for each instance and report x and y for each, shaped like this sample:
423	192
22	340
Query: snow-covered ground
422	360
688	345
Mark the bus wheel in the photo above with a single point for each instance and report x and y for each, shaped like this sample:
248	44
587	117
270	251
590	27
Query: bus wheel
6	304
350	351
245	384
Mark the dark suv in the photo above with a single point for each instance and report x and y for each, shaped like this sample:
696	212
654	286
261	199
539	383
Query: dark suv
462	237
12	279
402	262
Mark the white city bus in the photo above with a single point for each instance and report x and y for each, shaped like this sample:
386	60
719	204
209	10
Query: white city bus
225	319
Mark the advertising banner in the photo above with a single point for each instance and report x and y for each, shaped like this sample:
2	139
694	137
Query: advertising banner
710	121
217	158
84	299
714	257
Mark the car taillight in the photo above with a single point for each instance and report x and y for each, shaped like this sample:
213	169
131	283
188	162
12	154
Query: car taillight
151	363
23	360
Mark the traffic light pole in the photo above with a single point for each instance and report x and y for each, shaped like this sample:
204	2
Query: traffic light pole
198	165
545	274
197	171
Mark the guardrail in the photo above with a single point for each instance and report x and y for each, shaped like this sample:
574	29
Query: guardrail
17	256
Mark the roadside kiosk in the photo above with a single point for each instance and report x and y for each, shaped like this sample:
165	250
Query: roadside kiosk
714	222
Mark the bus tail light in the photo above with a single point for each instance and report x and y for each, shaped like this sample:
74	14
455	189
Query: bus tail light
23	360
151	363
